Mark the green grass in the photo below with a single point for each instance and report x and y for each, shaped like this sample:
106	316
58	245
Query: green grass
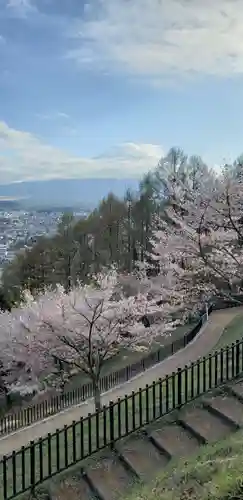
126	356
79	434
157	401
232	332
154	403
216	473
213	473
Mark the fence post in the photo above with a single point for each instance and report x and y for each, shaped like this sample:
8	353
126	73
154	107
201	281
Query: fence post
167	394
160	397
32	464
192	380
111	421
186	383
140	405
173	386
74	441
204	373
221	365
5	478
154	398
206	312
65	432
216	369
147	403
106	385
119	418
133	411
90	433
126	414
237	358
179	386
232	360
198	377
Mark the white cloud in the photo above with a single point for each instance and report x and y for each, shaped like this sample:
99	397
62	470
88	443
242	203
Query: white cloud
158	38
52	116
25	157
62	115
21	8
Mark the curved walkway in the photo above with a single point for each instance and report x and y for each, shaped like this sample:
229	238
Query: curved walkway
203	343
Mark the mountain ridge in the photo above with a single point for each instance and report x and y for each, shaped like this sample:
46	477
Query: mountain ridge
84	192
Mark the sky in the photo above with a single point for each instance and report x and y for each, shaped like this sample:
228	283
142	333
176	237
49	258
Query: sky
103	88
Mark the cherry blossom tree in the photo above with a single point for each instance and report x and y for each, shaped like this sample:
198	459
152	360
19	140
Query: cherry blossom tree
202	237
57	332
181	274
177	175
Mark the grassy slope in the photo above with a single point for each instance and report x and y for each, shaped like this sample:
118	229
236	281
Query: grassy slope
216	473
160	402
126	357
233	332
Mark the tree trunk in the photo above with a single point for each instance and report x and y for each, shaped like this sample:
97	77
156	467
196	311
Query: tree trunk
97	395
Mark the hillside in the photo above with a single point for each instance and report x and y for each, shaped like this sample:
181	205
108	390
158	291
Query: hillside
9	203
105	455
159	450
215	473
66	192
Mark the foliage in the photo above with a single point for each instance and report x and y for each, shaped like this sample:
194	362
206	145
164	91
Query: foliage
117	231
174	244
202	236
55	333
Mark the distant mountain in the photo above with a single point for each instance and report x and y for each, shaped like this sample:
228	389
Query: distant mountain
85	193
9	204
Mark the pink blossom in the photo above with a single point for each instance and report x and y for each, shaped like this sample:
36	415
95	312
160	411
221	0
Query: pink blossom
55	333
200	243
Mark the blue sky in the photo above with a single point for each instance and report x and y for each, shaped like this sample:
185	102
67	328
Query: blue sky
105	87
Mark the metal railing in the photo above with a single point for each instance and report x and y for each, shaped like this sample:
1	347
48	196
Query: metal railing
42	459
52	405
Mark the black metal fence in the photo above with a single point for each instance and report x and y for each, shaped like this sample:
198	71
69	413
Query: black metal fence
42	459
54	404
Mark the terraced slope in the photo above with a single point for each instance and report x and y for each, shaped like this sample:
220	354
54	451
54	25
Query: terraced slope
204	342
140	456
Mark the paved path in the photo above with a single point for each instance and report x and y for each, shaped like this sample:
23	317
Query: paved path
200	346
